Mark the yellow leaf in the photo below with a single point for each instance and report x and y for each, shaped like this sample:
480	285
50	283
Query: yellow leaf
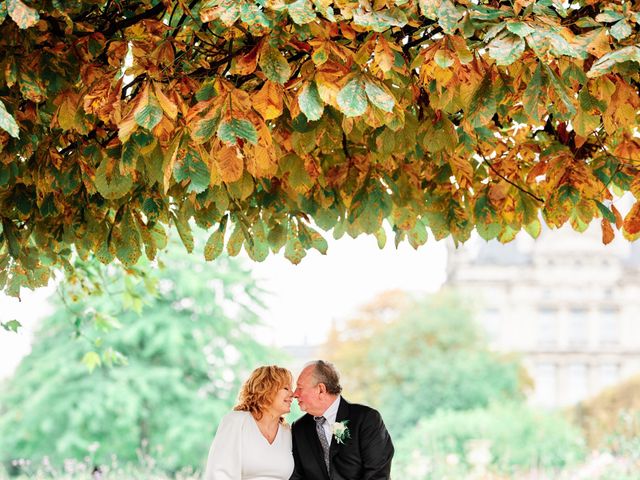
268	101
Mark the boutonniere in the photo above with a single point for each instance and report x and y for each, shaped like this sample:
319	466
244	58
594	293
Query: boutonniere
341	431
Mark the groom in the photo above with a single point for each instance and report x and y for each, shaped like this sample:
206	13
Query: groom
336	440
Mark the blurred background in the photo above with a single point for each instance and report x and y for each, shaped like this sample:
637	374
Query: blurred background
487	361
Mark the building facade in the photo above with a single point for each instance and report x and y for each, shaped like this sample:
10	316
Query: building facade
568	304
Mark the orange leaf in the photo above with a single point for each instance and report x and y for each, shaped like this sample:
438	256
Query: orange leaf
632	220
268	101
607	232
616	213
246	64
230	163
261	162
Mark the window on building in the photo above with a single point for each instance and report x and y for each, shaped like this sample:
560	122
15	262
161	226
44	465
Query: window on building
609	327
608	374
546	384
577	387
547	327
578	332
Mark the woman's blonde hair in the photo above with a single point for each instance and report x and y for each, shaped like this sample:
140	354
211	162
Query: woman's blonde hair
259	390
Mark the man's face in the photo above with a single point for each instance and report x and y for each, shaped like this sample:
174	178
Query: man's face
308	393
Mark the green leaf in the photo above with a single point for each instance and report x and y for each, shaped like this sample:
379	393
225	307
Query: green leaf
126	240
534	228
204	128
11	325
258	246
380	21
352	98
109	182
294	251
310	102
609	16
194	169
506	48
444	59
381	237
429	8
301	12
380	97
274	65
449	16
607	62
231	130
184	230
214	246
417	235
606	213
585	123
534	92
23	15
8	123
520	28
91	360
148	113
621	30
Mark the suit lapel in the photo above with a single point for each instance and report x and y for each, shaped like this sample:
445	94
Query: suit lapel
342	415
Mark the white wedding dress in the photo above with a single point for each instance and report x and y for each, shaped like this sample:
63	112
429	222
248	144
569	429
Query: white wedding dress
240	452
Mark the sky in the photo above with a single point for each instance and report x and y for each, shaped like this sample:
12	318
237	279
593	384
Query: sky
304	299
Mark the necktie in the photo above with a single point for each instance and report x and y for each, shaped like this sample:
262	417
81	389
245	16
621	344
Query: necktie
323	439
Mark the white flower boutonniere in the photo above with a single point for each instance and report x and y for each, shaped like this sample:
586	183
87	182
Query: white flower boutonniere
341	431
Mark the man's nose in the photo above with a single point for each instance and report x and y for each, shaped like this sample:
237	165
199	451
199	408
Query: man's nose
296	393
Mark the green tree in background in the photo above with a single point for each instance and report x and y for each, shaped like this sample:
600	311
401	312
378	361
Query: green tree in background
517	438
416	357
187	350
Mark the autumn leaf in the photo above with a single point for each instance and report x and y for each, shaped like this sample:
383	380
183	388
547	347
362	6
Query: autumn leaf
268	101
607	232
8	123
230	163
23	15
379	96
273	64
234	129
352	98
148	111
310	102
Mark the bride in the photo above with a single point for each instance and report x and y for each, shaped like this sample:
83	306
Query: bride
253	442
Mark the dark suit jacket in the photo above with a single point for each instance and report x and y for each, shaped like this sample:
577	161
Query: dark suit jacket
365	456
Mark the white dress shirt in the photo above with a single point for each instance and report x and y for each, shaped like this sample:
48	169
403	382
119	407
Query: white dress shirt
330	417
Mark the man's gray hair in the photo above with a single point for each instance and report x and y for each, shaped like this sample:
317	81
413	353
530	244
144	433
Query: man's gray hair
326	373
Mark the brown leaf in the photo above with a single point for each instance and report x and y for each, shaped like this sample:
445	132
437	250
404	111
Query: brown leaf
607	232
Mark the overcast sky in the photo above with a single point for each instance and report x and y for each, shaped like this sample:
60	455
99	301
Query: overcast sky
304	298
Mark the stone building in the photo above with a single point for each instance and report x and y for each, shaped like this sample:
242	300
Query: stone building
568	304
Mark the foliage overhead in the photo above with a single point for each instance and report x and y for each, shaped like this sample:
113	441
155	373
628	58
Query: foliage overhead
264	120
181	370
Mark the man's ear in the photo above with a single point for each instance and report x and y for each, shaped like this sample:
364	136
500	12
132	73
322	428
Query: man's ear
323	388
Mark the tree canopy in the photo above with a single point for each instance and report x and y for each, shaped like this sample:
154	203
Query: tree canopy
263	121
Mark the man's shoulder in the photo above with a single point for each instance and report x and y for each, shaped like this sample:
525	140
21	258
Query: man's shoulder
361	408
300	421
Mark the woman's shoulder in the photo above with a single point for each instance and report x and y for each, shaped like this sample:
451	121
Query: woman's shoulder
236	417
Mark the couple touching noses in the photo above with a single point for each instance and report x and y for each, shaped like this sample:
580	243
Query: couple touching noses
334	440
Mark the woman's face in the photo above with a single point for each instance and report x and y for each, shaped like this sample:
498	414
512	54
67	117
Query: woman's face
281	403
